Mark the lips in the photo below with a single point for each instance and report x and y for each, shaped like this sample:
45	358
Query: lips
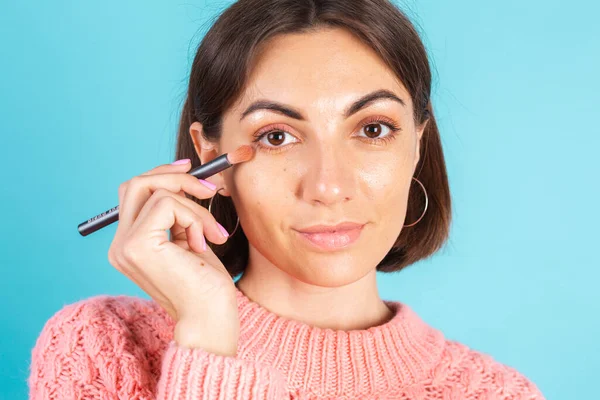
331	237
344	226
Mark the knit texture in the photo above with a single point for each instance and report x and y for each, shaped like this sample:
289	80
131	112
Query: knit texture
122	347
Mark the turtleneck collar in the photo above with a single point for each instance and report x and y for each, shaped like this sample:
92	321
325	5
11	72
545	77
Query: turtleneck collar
398	353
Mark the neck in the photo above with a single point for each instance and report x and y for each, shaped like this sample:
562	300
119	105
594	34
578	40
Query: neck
401	352
349	307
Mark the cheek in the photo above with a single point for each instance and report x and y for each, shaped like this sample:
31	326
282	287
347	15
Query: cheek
387	195
261	197
385	179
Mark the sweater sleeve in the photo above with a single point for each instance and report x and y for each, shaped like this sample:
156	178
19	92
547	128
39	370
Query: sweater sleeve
467	373
92	350
197	374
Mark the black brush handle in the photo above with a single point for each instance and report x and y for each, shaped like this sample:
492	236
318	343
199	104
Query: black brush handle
109	216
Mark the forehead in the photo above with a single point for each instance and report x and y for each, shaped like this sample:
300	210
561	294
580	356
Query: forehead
327	67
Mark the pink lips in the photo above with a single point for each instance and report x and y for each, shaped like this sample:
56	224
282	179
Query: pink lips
331	238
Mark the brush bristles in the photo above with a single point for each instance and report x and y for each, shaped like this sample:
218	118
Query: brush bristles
241	154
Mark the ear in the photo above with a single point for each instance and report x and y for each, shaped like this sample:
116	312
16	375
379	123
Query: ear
207	151
420	130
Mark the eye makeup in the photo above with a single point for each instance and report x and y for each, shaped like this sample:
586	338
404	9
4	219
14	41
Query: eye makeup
374	120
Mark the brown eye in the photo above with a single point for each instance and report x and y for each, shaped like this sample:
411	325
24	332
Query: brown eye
275	138
373	130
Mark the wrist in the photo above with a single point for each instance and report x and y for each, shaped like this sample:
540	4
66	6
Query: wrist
191	335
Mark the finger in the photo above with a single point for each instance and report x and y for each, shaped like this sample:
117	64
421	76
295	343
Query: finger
162	213
176	229
210	229
165	168
161	169
141	187
178	233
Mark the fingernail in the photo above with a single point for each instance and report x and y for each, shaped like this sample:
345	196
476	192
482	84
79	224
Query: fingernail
223	230
203	243
182	161
207	184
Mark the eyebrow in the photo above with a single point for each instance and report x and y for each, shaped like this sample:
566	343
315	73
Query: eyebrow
289	111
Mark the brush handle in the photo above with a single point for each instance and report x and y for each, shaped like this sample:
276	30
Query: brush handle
109	216
210	168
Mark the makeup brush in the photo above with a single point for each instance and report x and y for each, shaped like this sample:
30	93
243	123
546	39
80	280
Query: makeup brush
224	161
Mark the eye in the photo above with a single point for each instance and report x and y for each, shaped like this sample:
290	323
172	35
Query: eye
379	130
274	139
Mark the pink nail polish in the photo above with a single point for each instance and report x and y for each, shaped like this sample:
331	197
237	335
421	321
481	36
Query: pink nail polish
207	184
223	230
203	243
182	161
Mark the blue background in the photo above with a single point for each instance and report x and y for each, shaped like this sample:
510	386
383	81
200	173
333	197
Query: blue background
90	94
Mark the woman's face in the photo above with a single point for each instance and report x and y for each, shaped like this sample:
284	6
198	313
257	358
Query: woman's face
326	163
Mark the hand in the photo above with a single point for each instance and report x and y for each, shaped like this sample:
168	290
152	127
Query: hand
181	274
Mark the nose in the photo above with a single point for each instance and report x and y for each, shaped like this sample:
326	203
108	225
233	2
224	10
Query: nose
329	177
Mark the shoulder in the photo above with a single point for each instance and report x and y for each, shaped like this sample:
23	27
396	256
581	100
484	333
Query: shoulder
104	316
478	373
93	342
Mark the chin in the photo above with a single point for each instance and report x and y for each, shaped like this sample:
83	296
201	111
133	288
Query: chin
329	270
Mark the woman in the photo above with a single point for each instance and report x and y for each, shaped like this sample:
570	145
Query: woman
347	178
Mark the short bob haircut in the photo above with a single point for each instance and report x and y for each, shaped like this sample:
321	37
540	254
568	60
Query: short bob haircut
220	71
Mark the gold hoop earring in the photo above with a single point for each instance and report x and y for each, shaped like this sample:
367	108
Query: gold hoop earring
210	206
426	203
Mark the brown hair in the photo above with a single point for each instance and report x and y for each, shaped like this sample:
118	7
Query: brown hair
222	65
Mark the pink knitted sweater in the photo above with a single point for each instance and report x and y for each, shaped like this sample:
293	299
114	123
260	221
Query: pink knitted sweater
121	347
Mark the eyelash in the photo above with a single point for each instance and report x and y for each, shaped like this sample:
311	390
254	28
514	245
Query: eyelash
394	128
